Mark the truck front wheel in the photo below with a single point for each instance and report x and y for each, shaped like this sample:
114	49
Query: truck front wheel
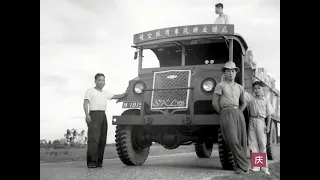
129	152
225	155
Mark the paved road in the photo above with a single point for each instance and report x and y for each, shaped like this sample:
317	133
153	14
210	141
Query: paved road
179	166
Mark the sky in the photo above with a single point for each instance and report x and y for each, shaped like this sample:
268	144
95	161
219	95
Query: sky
79	38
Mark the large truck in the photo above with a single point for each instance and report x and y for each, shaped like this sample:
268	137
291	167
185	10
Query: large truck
172	104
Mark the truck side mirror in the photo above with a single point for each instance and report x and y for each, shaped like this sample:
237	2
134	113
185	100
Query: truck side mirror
135	55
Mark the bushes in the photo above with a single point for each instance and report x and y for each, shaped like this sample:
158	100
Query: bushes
71	139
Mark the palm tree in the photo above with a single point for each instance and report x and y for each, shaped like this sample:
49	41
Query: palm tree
81	136
68	136
49	144
74	133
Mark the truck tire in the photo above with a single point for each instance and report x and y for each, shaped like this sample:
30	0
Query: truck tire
225	154
272	142
203	149
128	151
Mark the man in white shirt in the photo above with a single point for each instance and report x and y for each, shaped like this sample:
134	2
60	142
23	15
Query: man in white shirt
95	105
223	18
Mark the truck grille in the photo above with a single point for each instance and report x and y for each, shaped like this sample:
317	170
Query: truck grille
171	99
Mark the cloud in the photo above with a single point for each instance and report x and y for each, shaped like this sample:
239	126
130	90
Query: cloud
53	80
78	26
57	83
270	3
77	117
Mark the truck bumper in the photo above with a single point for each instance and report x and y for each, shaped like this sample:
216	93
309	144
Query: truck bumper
176	119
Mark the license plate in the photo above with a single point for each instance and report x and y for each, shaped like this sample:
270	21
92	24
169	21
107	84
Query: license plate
131	105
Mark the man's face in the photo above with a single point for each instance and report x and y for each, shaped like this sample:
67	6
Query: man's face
100	82
258	90
218	10
230	74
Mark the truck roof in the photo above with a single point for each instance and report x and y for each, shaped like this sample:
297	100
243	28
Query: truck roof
193	32
187	32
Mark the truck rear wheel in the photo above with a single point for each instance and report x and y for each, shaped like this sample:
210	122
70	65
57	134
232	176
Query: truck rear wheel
272	142
203	149
225	155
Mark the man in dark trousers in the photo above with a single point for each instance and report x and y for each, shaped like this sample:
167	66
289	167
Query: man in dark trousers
227	95
95	105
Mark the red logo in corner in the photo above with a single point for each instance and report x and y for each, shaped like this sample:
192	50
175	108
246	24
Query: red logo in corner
258	159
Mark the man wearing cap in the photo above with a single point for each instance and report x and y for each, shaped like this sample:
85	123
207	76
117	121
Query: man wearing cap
227	95
222	18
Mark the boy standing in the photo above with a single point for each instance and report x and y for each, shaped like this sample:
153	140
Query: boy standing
260	109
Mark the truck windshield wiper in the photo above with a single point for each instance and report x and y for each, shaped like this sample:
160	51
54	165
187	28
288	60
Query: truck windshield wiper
226	41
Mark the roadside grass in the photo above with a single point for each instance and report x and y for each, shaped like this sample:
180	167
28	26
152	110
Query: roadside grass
79	154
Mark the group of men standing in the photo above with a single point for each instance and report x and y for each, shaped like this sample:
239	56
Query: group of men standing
230	100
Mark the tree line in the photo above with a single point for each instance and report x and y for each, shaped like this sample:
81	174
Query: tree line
72	138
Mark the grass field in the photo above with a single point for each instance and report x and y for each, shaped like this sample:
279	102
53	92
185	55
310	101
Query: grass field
79	154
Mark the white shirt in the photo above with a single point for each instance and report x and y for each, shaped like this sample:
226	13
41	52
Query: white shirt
223	19
98	99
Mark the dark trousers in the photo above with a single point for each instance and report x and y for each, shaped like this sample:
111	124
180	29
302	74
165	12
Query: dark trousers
97	137
233	129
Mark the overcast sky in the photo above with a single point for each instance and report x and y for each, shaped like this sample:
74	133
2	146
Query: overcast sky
79	38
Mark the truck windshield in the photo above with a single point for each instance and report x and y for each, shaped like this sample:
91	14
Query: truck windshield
196	53
162	57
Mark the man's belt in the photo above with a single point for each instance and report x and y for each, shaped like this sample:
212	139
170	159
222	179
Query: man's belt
258	117
231	107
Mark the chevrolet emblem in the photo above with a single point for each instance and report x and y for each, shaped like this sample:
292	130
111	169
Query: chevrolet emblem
172	76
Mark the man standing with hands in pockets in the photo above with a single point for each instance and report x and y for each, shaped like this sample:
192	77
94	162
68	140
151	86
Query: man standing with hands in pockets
229	101
94	105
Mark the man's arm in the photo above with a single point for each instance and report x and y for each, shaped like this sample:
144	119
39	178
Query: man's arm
86	102
269	112
215	102
216	98
227	19
86	107
119	96
242	100
268	123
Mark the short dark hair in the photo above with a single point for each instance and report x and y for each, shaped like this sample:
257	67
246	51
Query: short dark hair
259	83
219	5
97	75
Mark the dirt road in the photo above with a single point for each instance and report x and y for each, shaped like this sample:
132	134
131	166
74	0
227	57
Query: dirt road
179	166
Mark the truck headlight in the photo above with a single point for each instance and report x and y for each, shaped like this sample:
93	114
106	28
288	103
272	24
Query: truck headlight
138	87
208	85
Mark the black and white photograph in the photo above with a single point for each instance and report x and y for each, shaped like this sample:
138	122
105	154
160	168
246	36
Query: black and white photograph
159	89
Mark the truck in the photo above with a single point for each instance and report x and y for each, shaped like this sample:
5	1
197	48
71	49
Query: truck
171	104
